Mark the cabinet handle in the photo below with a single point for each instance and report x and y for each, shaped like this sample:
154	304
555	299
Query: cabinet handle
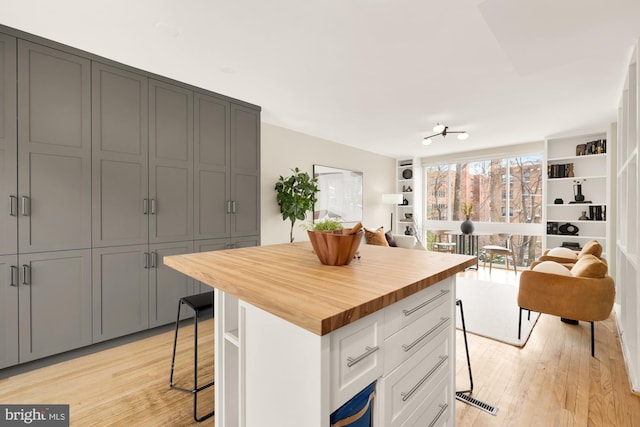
146	260
13	273
13	206
370	350
443	407
154	259
407	347
442	293
228	206
153	206
407	395
26	206
26	274
233	206
145	206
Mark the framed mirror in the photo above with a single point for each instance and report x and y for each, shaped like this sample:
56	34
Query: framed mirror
340	194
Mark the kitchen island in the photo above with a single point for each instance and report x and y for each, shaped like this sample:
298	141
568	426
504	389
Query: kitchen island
295	339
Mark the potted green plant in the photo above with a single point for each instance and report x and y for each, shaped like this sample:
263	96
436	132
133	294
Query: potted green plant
327	224
296	195
332	243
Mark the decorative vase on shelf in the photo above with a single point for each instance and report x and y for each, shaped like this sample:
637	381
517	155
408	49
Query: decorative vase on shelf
584	216
408	231
467	226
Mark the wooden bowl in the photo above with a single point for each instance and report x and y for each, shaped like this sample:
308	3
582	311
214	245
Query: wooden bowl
335	248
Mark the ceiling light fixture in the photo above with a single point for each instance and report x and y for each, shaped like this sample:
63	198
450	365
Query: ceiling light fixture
444	130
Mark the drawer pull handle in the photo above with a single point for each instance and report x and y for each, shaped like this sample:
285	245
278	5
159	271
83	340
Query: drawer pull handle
442	293
407	347
443	407
407	395
370	350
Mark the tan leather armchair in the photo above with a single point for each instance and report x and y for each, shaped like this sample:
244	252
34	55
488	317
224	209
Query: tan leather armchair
587	293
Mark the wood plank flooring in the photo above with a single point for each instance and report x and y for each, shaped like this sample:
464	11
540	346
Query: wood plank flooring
552	381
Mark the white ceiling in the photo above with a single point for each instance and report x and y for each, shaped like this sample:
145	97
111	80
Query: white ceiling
375	74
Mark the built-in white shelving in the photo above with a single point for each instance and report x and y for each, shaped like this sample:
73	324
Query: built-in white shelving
627	275
571	161
403	220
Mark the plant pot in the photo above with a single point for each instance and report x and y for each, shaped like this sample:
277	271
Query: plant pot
335	248
467	226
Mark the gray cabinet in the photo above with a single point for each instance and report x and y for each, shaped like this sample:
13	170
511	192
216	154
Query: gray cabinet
166	285
8	310
120	291
54	149
170	163
212	146
54	302
120	183
133	290
245	171
227	175
8	147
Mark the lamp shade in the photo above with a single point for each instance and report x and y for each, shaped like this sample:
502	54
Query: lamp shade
392	198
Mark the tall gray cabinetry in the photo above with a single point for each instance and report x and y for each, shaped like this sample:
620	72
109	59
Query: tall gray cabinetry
142	199
104	170
8	210
227	174
49	206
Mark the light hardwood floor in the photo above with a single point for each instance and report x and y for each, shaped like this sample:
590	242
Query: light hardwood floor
552	381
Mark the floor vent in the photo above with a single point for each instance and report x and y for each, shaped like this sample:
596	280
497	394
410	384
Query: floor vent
477	403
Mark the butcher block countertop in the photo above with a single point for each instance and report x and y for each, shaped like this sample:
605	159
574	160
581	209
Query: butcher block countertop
289	281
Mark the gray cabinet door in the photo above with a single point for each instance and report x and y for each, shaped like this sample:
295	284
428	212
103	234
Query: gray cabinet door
245	170
8	310
212	167
8	148
120	291
120	157
166	285
170	163
54	302
54	149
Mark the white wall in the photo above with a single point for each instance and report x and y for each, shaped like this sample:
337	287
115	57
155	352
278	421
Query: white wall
283	149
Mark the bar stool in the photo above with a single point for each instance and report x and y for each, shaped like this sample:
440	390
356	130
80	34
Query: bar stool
198	303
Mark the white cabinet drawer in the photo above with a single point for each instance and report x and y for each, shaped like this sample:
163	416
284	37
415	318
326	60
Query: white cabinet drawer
436	410
410	339
407	310
406	388
356	357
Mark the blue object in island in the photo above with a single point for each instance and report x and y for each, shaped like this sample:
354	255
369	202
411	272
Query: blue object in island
357	412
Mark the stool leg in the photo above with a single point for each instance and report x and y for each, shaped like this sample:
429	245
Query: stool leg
196	389
466	347
175	342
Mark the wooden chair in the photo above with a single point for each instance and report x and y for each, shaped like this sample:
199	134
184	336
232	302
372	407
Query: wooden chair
491	250
443	246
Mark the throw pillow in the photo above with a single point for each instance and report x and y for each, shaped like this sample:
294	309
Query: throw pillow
552	267
592	247
375	237
563	253
390	240
589	266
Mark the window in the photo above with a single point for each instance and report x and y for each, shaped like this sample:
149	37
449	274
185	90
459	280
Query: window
489	185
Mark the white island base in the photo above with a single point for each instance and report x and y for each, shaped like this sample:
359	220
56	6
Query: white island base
270	372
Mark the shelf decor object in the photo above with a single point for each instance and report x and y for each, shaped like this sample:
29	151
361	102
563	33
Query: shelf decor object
577	190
